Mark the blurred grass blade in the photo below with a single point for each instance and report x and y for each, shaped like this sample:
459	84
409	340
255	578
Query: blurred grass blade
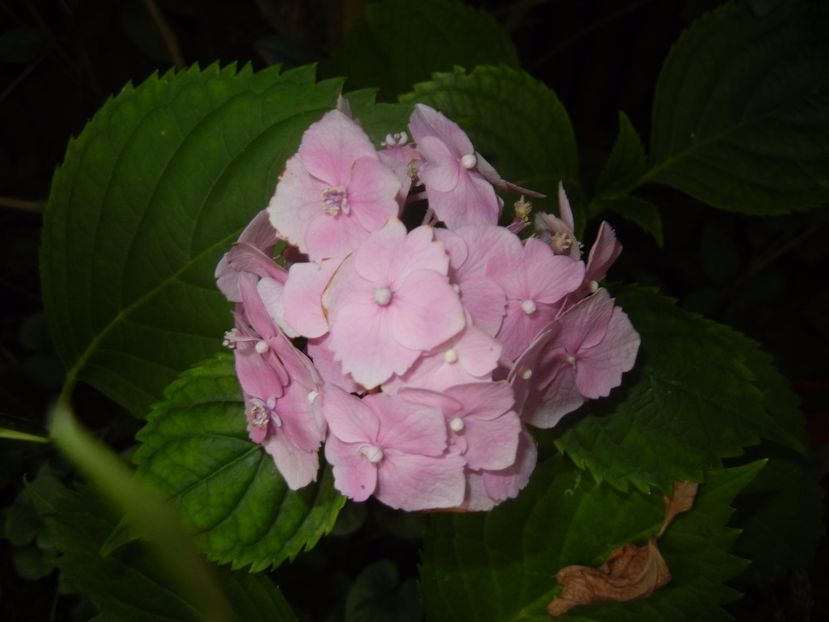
149	514
22	436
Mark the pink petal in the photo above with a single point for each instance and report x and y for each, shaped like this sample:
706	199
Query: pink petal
330	236
485	400
551	277
408	427
299	468
411	482
491	443
331	145
349	419
486	303
372	193
471	202
272	294
400	159
425	311
302	297
296	203
354	475
599	369
361	338
441	169
426	121
328	368
604	252
546	408
507	483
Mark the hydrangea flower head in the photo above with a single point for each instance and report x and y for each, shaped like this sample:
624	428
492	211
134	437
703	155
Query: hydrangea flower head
419	356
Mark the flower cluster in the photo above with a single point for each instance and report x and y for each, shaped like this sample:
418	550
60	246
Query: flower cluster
417	355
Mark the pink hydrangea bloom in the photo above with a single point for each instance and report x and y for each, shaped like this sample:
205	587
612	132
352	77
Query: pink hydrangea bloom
536	282
457	192
483	427
471	249
425	351
486	489
277	380
581	356
392	449
470	356
250	254
334	191
390	302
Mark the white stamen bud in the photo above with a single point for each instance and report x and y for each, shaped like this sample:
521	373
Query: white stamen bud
261	346
570	359
469	161
456	425
456	288
372	453
594	286
313	395
450	356
382	296
388	141
527	374
230	338
402	138
528	306
277	422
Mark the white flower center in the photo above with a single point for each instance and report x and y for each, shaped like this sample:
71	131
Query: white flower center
456	425
469	161
313	396
382	296
456	288
372	453
527	374
257	414
593	286
528	306
261	346
450	356
570	359
334	200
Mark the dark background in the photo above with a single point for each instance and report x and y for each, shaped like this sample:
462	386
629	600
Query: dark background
61	59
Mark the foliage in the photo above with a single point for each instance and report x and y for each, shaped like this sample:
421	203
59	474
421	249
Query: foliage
195	449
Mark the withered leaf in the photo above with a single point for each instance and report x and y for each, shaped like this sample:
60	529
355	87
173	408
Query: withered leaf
630	572
681	500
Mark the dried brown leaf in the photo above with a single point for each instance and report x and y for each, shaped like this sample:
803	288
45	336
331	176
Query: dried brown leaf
630	572
681	500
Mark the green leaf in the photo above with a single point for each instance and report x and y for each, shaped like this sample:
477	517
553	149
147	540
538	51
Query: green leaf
516	122
131	585
696	396
741	110
640	212
626	163
397	43
153	191
781	513
500	565
195	449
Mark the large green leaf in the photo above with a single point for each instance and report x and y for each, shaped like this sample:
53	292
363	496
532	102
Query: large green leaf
196	450
153	191
741	111
130	584
698	395
500	565
516	122
396	43
625	164
781	513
